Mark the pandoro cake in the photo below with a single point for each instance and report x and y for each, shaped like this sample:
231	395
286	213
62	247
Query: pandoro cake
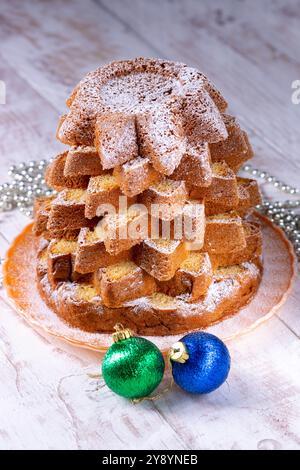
150	225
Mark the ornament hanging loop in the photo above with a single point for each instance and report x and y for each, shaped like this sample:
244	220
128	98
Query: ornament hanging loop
178	352
121	333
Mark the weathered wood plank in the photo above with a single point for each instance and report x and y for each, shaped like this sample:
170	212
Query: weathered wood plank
54	55
27	123
267	34
289	314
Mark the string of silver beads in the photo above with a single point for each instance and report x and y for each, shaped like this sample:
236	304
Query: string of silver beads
27	183
265	176
281	213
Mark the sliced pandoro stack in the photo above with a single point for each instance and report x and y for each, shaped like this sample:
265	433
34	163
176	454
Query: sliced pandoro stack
150	224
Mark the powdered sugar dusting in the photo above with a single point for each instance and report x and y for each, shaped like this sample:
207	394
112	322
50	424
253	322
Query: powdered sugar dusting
143	86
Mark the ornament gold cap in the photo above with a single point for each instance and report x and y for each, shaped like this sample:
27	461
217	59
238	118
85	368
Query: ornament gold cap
121	333
178	352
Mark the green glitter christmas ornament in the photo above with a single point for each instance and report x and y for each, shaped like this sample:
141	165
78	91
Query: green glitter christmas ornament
133	366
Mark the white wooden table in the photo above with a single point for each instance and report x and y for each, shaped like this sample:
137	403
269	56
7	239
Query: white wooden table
250	49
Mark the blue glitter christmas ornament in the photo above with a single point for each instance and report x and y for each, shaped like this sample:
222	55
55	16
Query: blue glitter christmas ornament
200	362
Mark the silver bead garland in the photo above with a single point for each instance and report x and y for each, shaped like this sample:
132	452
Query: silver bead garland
28	182
280	213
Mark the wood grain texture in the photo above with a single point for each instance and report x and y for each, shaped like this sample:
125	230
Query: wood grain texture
251	51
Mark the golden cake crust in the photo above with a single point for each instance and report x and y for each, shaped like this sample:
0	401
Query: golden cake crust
158	314
137	86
